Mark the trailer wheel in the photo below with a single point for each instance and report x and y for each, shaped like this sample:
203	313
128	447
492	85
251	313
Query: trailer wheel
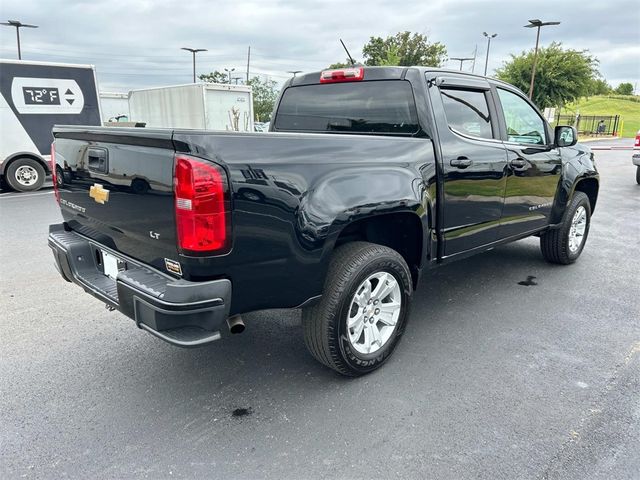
25	174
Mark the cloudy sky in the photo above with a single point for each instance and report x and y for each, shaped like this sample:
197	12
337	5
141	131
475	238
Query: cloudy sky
135	44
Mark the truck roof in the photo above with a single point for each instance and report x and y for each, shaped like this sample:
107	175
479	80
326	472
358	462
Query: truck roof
385	73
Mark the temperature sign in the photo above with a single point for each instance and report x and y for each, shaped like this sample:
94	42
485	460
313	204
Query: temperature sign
41	96
46	96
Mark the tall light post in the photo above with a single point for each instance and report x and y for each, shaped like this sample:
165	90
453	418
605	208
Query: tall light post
193	52
229	73
536	24
294	72
18	25
461	60
489	37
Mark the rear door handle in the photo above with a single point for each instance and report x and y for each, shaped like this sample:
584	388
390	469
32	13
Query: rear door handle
518	163
461	162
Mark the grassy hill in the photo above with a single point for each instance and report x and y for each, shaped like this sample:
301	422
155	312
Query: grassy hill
628	108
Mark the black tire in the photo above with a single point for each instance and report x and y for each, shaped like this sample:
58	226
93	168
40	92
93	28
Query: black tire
638	175
555	243
18	182
60	182
325	324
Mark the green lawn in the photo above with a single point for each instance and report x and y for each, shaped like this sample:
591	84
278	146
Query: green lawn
628	109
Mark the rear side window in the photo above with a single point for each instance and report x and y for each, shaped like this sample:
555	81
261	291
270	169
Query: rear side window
381	107
524	125
467	112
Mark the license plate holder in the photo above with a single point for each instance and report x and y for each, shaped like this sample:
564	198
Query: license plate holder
112	265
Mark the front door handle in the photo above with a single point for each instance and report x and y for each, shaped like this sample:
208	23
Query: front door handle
518	163
461	162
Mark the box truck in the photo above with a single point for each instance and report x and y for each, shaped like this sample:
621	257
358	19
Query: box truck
34	96
114	107
207	106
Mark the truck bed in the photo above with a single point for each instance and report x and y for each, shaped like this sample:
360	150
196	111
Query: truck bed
289	195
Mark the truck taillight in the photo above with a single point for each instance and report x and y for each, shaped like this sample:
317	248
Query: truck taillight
201	206
54	172
353	74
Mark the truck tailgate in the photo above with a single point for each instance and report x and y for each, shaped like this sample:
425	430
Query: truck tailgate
118	189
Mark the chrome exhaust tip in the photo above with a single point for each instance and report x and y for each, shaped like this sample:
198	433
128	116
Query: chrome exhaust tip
235	324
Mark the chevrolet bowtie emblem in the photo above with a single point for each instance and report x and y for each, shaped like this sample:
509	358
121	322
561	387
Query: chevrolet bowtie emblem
99	193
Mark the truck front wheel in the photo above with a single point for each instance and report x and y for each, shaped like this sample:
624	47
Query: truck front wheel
25	175
565	244
363	311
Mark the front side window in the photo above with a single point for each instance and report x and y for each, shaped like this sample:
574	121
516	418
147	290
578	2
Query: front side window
524	125
467	112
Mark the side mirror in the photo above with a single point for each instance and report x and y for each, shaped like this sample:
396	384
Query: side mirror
565	136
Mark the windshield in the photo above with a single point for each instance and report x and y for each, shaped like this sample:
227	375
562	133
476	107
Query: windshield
380	107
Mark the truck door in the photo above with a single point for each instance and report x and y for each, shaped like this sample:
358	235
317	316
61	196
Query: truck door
534	165
474	162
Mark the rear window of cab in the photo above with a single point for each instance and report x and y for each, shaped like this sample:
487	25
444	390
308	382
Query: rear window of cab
375	107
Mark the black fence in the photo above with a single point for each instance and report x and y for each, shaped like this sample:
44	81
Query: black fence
594	125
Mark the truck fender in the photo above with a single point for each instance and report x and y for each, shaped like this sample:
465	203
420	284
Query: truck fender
578	169
340	199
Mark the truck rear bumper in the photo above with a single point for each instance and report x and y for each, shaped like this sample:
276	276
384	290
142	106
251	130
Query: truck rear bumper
180	312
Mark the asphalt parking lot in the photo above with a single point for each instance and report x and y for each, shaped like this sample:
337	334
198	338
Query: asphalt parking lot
493	379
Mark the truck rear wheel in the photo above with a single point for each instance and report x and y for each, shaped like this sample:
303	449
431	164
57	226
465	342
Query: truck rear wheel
565	244
363	311
25	175
638	174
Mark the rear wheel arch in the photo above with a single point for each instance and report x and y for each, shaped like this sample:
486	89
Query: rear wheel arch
404	232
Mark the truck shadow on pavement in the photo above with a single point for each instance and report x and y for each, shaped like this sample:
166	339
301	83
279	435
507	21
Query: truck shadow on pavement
271	355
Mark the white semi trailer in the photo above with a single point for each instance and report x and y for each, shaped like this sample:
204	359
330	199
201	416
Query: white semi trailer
34	96
208	106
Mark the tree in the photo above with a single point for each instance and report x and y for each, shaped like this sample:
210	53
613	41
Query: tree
214	77
405	49
562	75
624	89
336	65
599	86
264	98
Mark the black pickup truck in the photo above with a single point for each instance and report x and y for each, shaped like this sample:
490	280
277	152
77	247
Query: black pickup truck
367	178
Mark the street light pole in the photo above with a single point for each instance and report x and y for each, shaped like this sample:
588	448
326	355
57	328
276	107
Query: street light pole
294	72
461	60
18	25
193	52
229	73
536	24
489	37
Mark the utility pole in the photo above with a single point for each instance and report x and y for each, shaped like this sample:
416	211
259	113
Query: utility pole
294	72
229	73
18	25
461	60
489	37
248	59
536	24
193	52
475	53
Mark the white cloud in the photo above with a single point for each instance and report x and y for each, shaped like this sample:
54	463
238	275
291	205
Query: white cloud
135	44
